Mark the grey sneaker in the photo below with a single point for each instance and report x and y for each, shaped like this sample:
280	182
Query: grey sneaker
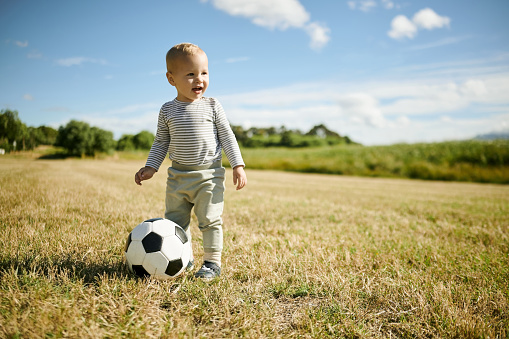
190	265
208	271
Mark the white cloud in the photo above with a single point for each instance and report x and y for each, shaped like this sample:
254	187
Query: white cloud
474	88
276	14
403	120
402	27
28	97
422	103
319	35
77	61
446	119
280	14
129	119
363	109
427	18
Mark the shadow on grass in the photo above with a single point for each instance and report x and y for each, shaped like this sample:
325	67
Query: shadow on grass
65	268
55	156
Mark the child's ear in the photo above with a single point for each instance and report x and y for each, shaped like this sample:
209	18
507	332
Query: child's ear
169	76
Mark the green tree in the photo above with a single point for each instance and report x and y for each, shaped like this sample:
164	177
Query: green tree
41	135
75	138
287	139
13	132
143	140
125	143
102	141
46	135
78	138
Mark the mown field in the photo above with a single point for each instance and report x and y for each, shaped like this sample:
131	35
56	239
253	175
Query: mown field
306	256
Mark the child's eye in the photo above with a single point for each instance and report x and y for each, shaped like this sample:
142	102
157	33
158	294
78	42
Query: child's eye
190	74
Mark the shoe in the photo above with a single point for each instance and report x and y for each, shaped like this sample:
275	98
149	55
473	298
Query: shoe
208	271
190	265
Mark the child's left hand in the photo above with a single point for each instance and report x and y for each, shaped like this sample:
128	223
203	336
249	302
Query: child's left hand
239	177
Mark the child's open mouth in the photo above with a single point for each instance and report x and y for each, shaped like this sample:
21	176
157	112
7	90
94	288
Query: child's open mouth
197	90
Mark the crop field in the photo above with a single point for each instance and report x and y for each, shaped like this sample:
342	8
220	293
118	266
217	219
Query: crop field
305	256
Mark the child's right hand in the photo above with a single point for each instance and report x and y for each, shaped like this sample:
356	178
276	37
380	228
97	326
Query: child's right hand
144	173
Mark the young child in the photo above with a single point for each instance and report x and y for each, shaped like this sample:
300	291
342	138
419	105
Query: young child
193	129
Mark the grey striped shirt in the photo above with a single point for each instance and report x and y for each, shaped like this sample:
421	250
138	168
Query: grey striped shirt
193	133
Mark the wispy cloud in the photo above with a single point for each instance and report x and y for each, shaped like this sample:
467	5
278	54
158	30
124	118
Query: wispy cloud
277	14
28	97
402	27
439	43
35	54
129	119
389	4
362	5
368	5
21	44
77	61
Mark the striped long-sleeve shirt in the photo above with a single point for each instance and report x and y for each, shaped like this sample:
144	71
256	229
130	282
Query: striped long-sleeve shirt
193	133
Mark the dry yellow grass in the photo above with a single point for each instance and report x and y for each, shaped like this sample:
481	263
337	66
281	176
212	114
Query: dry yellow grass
308	256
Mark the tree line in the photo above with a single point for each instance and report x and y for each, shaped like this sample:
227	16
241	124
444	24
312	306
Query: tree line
317	136
77	138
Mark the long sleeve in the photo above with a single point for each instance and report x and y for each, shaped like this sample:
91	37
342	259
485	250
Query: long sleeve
227	138
161	143
193	133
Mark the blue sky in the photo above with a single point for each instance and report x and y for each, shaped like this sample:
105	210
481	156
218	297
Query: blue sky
379	71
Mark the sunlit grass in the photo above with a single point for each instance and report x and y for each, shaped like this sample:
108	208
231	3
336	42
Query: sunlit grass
477	161
305	256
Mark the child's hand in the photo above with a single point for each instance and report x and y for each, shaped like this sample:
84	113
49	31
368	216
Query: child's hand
144	173
239	177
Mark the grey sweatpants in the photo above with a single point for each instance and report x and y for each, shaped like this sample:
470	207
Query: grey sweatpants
201	187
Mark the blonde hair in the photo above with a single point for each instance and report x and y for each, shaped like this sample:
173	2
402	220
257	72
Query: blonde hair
179	51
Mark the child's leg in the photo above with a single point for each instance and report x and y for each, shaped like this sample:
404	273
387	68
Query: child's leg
178	208
208	209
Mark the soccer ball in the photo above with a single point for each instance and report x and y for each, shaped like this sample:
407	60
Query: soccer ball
159	248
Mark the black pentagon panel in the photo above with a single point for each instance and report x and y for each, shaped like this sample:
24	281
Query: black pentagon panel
181	234
153	219
174	267
152	242
140	271
128	242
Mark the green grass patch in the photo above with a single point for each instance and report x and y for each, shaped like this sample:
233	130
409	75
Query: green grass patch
475	161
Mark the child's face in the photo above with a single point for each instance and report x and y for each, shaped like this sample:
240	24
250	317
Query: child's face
190	76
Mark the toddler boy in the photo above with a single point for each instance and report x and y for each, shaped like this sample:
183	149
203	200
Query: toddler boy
193	130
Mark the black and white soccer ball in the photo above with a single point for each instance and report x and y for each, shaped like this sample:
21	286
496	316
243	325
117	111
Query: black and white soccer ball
158	248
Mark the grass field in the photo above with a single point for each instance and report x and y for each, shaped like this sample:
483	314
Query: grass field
468	161
307	256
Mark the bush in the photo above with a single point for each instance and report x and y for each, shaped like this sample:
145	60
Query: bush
140	141
79	139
